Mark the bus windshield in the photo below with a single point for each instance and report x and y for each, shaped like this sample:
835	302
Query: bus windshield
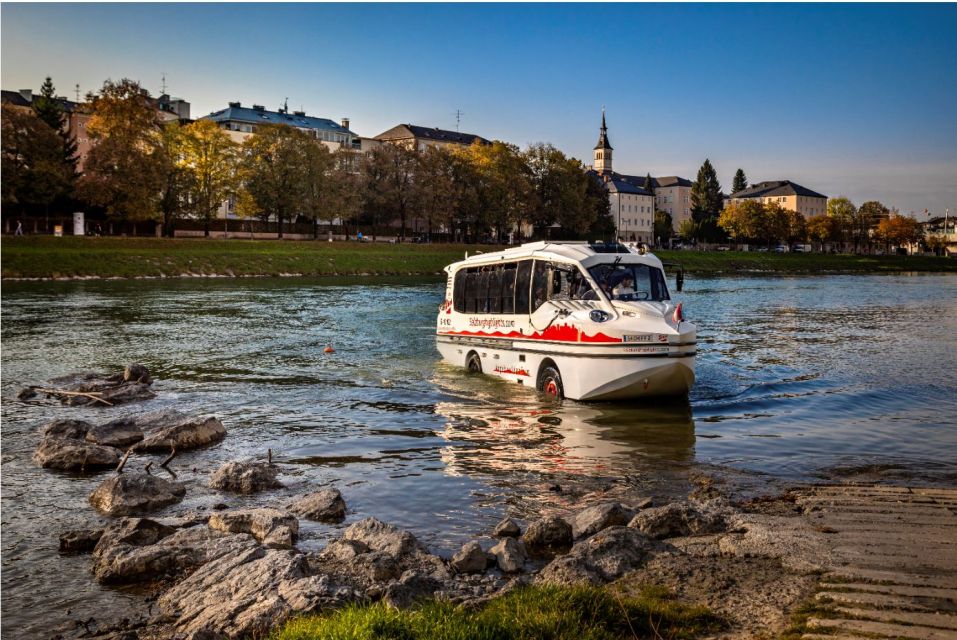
630	281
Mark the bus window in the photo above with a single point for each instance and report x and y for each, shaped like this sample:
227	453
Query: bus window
495	290
523	278
540	283
508	288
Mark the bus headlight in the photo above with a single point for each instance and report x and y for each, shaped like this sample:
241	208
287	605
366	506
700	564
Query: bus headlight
597	315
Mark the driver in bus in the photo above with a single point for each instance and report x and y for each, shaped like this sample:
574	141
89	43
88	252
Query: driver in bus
626	287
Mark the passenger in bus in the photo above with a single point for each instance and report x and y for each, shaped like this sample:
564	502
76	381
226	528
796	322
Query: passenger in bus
626	287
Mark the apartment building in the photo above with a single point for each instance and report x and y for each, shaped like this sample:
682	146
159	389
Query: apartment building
421	138
789	195
241	122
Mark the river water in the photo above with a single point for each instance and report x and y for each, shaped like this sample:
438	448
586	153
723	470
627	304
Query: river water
799	379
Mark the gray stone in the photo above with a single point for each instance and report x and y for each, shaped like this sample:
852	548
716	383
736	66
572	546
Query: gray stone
66	428
379	536
274	528
325	505
605	556
246	593
593	519
548	536
245	477
121	432
79	540
132	493
510	555
679	519
470	558
376	567
168	557
73	455
507	528
137	373
184	434
343	550
120	394
410	589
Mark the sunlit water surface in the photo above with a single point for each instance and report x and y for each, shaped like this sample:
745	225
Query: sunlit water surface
798	379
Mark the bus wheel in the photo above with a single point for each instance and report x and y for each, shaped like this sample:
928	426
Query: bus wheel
473	363
550	382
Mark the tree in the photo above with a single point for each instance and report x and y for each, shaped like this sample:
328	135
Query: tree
797	227
663	226
561	191
740	182
707	202
842	211
124	168
272	173
745	220
212	159
436	195
706	197
820	228
866	219
650	186
177	177
688	230
34	174
503	186
389	172
898	230
50	109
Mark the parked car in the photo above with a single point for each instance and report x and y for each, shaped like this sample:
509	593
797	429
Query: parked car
780	249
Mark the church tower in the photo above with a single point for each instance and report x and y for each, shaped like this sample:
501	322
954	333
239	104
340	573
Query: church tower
603	149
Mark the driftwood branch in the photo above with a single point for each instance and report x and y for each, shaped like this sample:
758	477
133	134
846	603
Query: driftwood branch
169	459
93	395
119	468
149	465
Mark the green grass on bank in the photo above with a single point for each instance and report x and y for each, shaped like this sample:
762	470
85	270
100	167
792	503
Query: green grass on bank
50	257
542	613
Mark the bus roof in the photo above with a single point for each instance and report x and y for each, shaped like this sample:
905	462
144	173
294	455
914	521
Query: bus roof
585	253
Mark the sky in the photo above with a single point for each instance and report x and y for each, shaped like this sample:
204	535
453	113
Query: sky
845	99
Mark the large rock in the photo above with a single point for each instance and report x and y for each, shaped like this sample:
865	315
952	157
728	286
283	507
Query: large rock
133	493
245	477
471	558
325	505
183	434
121	432
246	593
137	373
379	536
73	455
273	528
605	556
509	555
410	589
79	540
130	385
680	519
548	536
66	428
120	394
150	552
601	516
507	528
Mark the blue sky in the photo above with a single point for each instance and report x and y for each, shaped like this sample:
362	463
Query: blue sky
859	99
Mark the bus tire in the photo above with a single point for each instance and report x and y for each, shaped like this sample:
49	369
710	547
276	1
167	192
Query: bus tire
550	382
473	363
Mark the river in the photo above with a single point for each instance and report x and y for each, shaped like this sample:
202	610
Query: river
799	379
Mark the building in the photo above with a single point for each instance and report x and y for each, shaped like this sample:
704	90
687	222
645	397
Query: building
789	195
421	138
75	121
943	228
241	122
633	203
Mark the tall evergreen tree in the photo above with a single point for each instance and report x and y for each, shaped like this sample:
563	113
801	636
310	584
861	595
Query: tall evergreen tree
49	109
706	198
650	186
740	181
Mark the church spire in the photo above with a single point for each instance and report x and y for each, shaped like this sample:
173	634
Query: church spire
603	149
603	138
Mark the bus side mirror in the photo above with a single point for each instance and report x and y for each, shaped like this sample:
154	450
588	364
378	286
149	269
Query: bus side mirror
680	280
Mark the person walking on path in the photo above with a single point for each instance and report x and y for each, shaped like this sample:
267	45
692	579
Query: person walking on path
19	229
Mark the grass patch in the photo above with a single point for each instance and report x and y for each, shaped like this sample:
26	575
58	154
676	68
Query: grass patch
540	613
800	616
50	257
